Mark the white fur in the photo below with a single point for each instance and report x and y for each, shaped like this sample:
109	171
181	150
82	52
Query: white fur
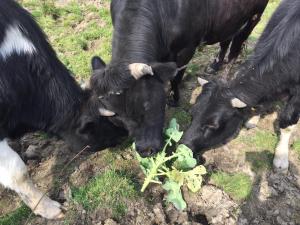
12	168
281	159
15	42
13	175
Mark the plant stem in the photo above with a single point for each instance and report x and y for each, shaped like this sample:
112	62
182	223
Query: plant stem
154	169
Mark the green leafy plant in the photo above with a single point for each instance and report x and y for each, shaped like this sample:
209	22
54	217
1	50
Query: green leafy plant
175	170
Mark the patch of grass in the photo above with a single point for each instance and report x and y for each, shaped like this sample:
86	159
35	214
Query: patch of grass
260	161
238	186
263	140
296	148
109	190
193	69
76	31
183	118
261	157
271	7
17	217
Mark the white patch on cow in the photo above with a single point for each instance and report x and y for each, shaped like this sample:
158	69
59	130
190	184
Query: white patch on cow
12	168
15	42
281	159
13	175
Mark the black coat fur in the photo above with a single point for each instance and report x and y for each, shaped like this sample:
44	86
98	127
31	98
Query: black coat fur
37	92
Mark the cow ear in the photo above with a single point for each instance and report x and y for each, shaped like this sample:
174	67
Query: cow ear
165	71
98	63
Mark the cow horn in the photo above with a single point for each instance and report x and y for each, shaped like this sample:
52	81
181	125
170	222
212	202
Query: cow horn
138	70
106	112
237	103
202	81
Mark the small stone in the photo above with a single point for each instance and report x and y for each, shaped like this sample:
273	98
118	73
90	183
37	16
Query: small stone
110	222
276	212
31	152
243	221
281	221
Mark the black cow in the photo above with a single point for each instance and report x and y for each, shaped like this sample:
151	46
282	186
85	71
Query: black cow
156	38
272	71
38	93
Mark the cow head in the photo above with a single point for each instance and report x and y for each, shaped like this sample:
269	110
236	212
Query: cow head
140	108
91	127
217	117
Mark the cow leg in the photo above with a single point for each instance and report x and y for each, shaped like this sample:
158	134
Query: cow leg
281	158
288	119
241	37
182	59
219	60
173	102
13	175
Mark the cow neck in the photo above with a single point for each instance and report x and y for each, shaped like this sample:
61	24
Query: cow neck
253	88
140	40
65	97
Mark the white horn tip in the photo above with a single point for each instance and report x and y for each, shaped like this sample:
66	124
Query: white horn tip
237	103
202	81
138	70
105	112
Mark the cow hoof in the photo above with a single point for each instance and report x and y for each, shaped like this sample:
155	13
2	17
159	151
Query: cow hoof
49	209
280	164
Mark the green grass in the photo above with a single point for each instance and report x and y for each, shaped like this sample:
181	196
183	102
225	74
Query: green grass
271	7
260	161
76	31
183	117
17	217
193	69
263	140
296	148
110	190
261	157
238	186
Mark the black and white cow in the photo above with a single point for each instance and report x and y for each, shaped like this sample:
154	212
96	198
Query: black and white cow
156	38
38	93
272	70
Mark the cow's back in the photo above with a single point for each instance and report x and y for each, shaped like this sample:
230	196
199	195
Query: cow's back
227	17
31	77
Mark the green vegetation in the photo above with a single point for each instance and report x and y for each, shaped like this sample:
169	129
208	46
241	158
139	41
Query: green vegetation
193	69
177	169
238	186
272	5
110	190
17	217
296	148
182	116
76	31
261	157
263	140
260	161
